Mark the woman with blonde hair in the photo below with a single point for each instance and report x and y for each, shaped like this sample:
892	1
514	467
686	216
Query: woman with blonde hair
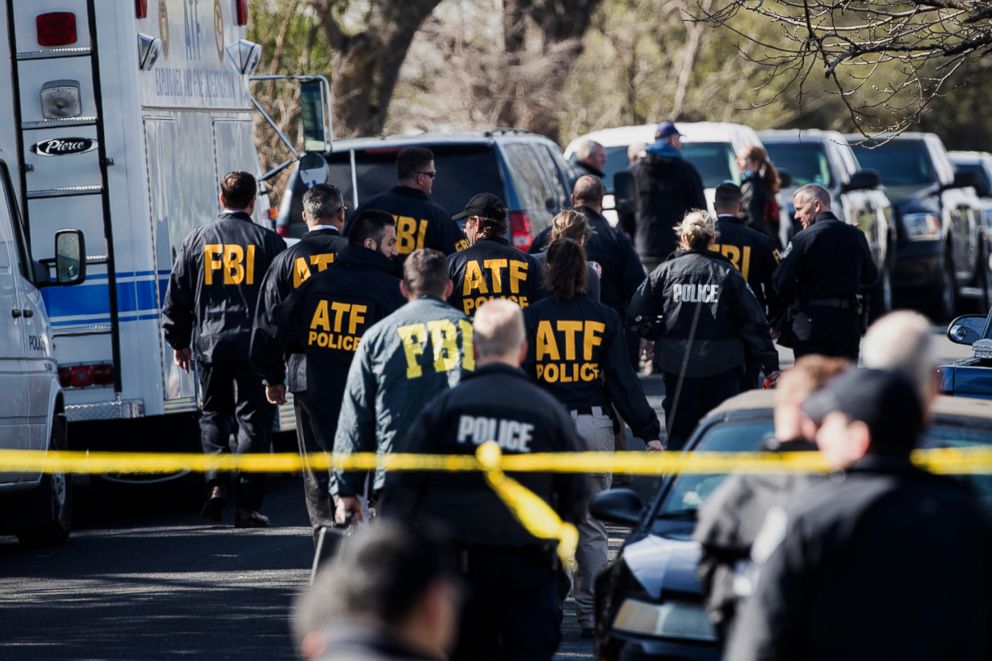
704	321
570	225
760	183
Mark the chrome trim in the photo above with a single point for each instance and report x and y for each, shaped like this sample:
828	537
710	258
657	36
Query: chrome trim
53	53
122	409
66	191
98	329
58	123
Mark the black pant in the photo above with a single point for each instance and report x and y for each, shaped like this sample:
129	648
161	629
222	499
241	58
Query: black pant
833	332
512	610
254	415
320	507
697	396
750	376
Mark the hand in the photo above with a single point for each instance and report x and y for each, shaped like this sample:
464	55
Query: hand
771	380
276	394
182	358
348	505
654	446
647	349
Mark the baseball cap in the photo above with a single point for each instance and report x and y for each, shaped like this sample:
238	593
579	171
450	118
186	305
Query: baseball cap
884	400
485	205
666	129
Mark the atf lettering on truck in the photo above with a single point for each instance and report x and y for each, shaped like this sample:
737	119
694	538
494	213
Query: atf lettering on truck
476	291
301	270
327	326
444	338
557	366
230	259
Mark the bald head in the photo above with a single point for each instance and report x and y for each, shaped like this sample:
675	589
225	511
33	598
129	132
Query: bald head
498	333
588	192
902	341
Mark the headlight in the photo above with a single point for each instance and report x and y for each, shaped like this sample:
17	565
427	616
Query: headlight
921	226
672	619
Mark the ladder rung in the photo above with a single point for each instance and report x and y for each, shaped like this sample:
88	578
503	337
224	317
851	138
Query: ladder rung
65	191
53	53
58	123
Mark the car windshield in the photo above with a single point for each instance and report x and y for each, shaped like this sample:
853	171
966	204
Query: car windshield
899	162
715	161
980	172
806	162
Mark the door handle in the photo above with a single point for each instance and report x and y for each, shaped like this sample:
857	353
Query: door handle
28	313
15	313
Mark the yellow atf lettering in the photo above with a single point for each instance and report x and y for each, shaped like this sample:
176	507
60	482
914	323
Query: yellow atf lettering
592	336
322	261
413	338
468	345
473	282
444	338
547	345
496	267
321	319
356	317
339	311
518	274
300	271
569	328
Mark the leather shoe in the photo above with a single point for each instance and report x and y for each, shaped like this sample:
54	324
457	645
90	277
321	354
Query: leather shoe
250	519
213	509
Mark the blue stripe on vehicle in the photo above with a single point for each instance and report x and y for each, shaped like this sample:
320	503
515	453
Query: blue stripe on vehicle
93	299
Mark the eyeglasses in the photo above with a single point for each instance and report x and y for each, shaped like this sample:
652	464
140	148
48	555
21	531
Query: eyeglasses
429	174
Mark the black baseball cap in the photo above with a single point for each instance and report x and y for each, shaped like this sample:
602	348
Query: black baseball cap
884	400
485	205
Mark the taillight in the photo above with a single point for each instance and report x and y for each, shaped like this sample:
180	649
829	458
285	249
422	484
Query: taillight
282	230
103	375
57	28
520	233
65	377
141	8
81	376
241	9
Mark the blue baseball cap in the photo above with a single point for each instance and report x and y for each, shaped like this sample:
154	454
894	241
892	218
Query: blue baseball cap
666	129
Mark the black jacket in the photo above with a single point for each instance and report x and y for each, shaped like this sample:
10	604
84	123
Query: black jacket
665	187
577	352
313	253
490	269
755	198
828	259
612	250
496	402
420	221
583	168
883	562
753	254
701	288
213	289
324	321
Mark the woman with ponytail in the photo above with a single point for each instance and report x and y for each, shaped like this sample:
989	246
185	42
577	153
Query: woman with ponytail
571	225
759	185
577	352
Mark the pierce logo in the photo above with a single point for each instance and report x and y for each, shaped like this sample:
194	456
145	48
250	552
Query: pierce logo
63	146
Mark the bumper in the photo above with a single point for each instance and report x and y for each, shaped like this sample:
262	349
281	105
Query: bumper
122	409
918	264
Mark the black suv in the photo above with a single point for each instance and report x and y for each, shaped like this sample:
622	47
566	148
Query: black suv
524	169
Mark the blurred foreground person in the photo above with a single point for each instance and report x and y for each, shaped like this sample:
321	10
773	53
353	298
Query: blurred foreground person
389	594
881	560
730	519
903	341
512	609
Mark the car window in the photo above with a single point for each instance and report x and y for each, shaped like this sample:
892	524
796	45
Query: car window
531	178
21	251
978	169
715	161
807	162
616	161
899	162
558	179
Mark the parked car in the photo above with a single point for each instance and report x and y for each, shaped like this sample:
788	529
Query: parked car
942	255
969	377
524	169
980	163
711	146
649	603
825	158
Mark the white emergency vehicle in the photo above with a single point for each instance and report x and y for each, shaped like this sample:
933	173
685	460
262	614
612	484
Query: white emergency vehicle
119	118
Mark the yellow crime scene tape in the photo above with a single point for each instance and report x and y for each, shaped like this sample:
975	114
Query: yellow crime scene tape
530	509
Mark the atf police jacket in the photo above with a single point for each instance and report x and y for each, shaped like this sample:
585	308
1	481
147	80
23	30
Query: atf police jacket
313	253
420	221
490	269
883	561
499	403
577	352
828	259
753	254
213	290
707	309
402	363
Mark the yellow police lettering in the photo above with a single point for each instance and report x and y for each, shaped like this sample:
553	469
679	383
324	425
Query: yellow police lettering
550	337
211	263
320	334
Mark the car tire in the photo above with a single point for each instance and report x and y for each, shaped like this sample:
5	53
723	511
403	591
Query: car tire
54	497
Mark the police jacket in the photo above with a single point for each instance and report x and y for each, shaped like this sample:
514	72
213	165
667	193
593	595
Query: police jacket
313	253
213	289
702	289
666	186
402	363
753	254
324	321
828	260
884	561
496	402
577	352
491	269
420	221
612	250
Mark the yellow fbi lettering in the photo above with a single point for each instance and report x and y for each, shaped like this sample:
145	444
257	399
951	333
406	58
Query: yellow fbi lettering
236	263
410	234
505	279
557	350
739	256
334	325
444	336
302	270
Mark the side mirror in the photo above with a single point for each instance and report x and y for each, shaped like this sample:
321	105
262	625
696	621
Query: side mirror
964	179
315	115
966	329
621	506
313	169
863	180
784	178
623	190
70	257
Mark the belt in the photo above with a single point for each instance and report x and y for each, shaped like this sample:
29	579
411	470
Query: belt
842	303
587	410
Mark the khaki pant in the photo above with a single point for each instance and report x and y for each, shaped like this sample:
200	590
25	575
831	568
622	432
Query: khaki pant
597	432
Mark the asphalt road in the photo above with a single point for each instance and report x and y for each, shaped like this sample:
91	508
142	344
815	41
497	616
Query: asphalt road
141	579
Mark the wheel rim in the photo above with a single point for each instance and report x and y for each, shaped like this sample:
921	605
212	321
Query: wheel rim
60	493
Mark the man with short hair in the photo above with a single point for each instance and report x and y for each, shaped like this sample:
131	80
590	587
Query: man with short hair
590	158
512	610
324	321
390	594
824	269
402	363
420	221
323	212
666	187
882	560
903	341
209	307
